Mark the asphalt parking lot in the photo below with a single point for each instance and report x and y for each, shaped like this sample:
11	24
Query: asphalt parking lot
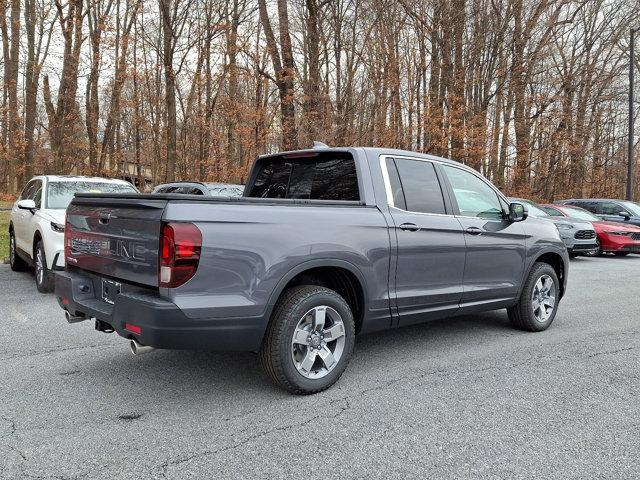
462	398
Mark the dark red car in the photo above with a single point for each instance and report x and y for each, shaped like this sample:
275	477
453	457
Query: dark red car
616	238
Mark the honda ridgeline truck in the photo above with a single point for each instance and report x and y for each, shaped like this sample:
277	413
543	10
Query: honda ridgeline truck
325	244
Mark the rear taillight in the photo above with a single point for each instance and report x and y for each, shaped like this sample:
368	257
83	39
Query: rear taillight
180	246
67	240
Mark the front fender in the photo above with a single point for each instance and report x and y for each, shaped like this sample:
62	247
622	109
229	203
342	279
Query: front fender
559	252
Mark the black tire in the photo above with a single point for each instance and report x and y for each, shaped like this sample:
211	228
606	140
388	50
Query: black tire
276	351
522	314
44	282
596	252
573	255
621	254
16	262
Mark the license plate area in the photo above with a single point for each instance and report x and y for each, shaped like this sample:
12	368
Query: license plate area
110	290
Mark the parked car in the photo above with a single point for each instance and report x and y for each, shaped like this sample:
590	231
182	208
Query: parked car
326	243
579	236
198	188
610	210
613	237
36	228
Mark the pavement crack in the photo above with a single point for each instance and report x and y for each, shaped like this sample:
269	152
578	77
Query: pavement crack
179	461
19	452
12	424
54	351
130	416
612	352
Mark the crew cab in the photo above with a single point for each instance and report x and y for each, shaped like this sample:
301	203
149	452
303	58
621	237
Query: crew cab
326	243
36	228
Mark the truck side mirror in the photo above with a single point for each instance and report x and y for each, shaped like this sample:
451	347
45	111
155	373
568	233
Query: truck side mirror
518	212
625	214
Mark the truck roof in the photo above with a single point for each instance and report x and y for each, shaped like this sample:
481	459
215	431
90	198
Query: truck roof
370	152
75	178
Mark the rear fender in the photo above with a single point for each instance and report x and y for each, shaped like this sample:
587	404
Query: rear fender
281	285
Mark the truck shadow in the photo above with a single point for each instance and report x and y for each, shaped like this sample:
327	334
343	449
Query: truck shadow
166	375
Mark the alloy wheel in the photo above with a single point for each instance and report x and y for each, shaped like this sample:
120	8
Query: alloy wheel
318	342
12	249
39	266
543	298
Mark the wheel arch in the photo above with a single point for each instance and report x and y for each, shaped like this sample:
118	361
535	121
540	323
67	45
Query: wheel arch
557	262
37	236
339	275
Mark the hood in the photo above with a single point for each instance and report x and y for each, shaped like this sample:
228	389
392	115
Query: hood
616	227
57	216
576	224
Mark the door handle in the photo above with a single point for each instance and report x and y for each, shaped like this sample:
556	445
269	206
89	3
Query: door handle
409	227
473	231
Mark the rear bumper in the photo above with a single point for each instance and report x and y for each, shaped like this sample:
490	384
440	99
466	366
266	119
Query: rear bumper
162	323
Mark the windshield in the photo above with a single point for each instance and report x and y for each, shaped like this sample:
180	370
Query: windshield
534	210
226	191
554	212
632	208
60	194
581	214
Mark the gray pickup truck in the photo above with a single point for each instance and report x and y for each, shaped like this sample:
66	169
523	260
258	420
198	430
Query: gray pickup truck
325	244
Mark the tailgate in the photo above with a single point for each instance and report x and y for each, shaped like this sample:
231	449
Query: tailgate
115	237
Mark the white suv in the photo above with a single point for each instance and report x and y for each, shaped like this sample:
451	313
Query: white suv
36	229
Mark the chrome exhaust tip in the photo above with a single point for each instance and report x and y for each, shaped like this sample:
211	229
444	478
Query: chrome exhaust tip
138	349
73	318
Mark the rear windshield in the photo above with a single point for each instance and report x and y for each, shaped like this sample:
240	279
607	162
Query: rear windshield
317	176
60	194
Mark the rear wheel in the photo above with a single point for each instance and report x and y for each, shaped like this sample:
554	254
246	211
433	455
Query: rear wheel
309	340
538	304
17	263
44	277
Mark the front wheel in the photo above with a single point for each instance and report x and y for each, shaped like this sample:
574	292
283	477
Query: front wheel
539	300
309	340
44	277
596	252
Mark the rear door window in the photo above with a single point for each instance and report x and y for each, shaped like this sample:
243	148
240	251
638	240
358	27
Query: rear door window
611	208
590	206
322	176
420	187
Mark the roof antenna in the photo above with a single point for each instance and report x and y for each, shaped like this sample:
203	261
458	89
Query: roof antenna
319	145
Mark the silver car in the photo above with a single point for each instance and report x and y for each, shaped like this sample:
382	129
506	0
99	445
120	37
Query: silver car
579	236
